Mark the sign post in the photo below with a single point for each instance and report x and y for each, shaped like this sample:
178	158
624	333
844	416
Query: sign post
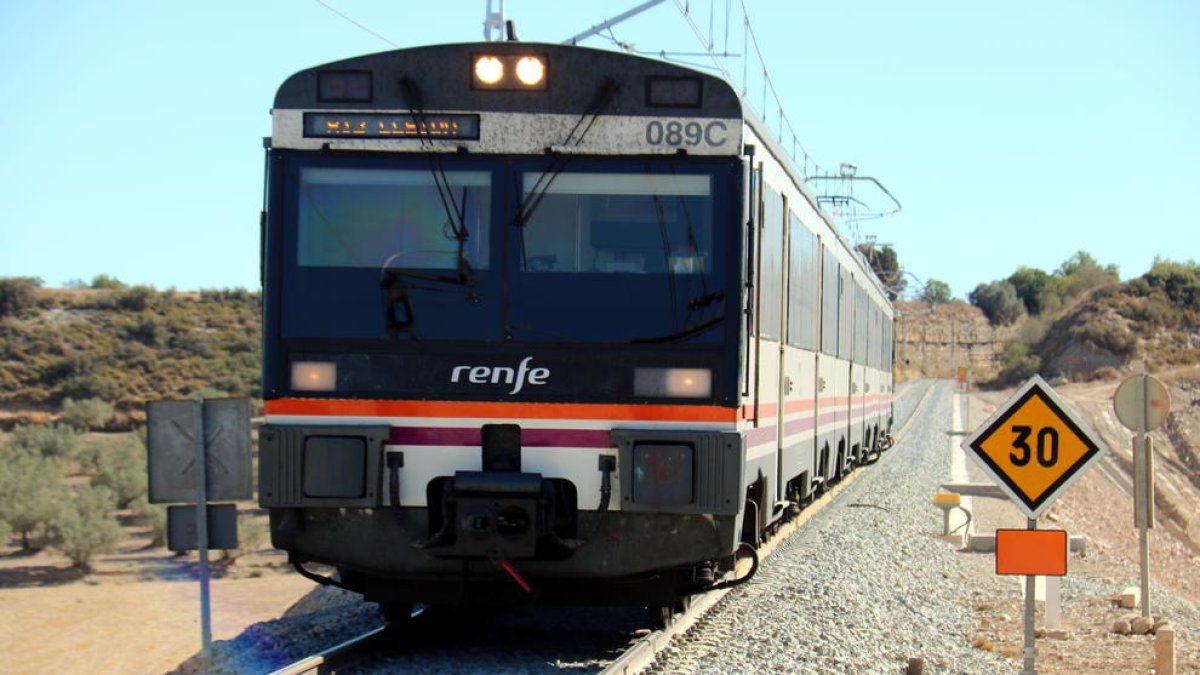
1142	404
1033	447
199	452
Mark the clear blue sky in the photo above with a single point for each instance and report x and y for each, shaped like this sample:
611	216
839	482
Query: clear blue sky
1013	133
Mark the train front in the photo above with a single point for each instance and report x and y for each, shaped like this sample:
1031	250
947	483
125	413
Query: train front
501	317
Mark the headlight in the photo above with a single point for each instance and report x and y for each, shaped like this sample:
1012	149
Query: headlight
489	70
672	382
530	71
508	72
314	376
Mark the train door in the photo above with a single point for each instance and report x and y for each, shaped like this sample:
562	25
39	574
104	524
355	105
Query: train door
783	362
763	451
832	384
858	376
798	466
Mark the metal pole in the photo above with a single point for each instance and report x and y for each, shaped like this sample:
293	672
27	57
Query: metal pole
1145	498
1030	592
202	536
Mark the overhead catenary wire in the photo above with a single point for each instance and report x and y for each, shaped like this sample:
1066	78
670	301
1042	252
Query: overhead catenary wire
333	9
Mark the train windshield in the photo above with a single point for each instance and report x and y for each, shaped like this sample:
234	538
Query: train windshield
625	256
493	249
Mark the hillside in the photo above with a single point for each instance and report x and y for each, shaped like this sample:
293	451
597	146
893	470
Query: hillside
124	346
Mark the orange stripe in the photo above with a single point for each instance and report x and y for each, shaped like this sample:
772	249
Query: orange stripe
545	411
799	405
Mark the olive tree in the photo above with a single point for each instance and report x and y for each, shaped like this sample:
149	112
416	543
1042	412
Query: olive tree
31	492
85	526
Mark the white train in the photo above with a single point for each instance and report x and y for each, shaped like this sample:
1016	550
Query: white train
545	323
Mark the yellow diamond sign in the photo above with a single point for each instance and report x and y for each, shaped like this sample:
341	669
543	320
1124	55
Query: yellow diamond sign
1034	447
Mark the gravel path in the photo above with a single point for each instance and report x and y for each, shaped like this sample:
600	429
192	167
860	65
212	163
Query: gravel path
862	587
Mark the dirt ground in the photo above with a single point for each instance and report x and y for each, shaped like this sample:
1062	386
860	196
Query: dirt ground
1099	507
138	611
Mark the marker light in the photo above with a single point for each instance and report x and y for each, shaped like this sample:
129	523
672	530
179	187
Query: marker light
672	382
489	70
531	71
314	376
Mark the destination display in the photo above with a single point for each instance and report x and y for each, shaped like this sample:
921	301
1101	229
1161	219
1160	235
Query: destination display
390	125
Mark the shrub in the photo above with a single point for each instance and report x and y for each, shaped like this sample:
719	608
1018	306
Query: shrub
252	536
999	302
89	385
53	441
1018	363
30	492
1109	336
85	526
139	299
16	295
86	414
121	468
153	515
1180	282
104	281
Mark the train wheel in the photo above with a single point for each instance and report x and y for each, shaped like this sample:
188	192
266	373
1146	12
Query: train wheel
660	617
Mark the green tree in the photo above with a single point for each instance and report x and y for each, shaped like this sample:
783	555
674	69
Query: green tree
1082	273
1029	284
103	281
121	468
86	414
886	266
1179	281
30	491
85	526
999	302
936	292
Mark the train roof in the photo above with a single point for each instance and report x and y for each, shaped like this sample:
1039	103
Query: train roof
441	77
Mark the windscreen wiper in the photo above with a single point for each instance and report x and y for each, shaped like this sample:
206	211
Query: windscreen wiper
531	201
684	335
456	210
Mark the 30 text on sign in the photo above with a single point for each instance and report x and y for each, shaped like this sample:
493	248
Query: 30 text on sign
1033	447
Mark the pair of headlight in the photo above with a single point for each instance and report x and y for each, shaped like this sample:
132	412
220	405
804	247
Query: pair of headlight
509	72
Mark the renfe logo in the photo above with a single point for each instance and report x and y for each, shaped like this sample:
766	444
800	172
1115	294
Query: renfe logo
502	375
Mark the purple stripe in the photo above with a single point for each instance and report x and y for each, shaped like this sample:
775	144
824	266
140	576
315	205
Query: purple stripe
792	428
761	436
530	438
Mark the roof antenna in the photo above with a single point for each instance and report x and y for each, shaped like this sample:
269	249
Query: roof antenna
512	31
493	22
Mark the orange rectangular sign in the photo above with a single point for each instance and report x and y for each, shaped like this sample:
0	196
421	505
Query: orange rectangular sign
1041	552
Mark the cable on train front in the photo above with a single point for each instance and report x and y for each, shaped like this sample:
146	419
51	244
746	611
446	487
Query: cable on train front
502	306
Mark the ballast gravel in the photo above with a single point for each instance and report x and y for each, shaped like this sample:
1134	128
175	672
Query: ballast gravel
865	586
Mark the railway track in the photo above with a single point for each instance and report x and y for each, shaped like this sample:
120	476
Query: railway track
627	650
642	654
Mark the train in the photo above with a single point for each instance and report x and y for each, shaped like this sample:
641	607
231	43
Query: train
544	323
